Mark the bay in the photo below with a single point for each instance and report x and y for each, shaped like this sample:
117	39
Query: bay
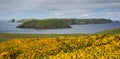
8	27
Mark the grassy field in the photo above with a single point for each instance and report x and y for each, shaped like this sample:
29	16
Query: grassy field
9	36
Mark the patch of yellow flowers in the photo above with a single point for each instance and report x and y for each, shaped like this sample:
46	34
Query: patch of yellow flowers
81	47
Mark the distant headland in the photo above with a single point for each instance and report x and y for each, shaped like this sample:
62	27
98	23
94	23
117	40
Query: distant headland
58	23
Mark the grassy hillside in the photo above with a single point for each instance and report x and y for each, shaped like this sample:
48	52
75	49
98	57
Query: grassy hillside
44	24
9	36
72	21
111	31
81	47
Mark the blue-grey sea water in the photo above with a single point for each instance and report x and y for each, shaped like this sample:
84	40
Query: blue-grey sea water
8	27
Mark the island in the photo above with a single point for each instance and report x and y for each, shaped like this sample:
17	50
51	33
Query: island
58	23
44	24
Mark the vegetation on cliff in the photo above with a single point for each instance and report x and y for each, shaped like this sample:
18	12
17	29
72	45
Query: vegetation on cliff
58	23
73	21
44	24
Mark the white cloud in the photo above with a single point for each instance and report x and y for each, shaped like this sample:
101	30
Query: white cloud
71	8
57	13
85	14
57	5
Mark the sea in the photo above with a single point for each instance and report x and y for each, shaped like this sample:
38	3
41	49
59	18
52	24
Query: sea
9	27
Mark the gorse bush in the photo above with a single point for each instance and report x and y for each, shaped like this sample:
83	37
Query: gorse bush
81	47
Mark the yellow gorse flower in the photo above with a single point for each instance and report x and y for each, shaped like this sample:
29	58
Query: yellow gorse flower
5	55
82	47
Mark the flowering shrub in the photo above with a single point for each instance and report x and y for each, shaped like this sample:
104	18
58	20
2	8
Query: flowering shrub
81	47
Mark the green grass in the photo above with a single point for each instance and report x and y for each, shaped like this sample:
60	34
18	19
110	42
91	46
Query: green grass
44	24
74	20
10	36
110	31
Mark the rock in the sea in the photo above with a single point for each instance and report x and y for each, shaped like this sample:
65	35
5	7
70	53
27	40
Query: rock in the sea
13	20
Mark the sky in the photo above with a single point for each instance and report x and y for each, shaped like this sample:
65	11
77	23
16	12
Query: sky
18	9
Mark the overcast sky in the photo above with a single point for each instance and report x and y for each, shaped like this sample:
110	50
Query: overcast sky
18	9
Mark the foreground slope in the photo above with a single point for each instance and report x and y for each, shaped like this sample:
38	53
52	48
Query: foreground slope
82	47
110	31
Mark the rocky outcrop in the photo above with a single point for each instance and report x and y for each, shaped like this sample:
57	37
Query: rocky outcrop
13	20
